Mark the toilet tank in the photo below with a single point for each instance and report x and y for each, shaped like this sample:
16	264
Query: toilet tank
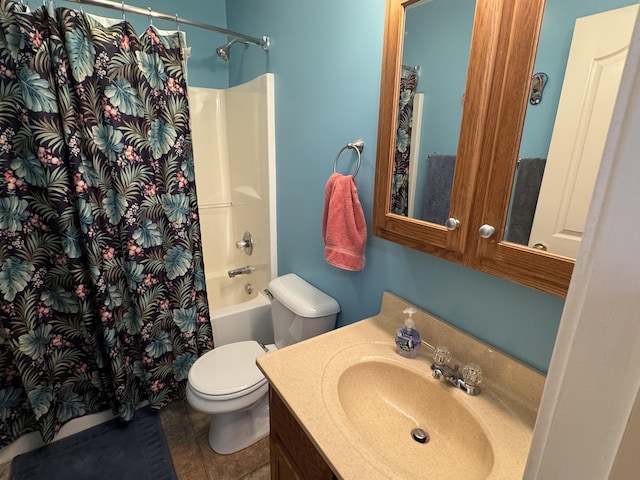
299	310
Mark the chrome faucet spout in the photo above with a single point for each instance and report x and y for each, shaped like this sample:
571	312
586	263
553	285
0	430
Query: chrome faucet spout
240	271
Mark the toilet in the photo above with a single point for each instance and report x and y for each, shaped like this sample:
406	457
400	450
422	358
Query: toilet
226	383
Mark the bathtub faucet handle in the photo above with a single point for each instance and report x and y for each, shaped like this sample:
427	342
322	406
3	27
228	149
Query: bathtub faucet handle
246	243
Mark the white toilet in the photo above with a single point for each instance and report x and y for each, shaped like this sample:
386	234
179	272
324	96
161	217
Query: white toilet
226	382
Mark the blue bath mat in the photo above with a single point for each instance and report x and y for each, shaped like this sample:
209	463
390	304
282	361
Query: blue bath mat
113	450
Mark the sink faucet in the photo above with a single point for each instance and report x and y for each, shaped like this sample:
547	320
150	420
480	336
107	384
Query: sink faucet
241	271
467	381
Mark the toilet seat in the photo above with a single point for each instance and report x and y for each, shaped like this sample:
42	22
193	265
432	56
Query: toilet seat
228	371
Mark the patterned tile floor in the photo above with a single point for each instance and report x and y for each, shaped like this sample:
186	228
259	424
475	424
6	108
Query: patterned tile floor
187	435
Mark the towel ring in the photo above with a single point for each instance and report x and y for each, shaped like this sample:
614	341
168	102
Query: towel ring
358	146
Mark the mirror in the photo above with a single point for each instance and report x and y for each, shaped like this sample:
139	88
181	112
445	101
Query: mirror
570	104
550	191
435	58
489	23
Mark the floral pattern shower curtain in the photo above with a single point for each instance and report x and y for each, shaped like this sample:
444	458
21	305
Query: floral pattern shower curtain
102	292
400	176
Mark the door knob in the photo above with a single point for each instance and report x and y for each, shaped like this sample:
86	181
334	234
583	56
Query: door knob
486	231
452	223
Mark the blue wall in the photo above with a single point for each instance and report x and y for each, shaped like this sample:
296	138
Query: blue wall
431	42
326	57
553	51
438	39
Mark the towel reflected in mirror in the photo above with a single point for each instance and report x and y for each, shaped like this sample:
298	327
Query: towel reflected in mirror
437	192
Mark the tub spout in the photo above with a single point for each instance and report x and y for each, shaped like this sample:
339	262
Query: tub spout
240	271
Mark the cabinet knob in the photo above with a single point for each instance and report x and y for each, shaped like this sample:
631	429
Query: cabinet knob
486	231
452	223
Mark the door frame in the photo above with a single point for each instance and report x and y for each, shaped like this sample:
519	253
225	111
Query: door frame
594	375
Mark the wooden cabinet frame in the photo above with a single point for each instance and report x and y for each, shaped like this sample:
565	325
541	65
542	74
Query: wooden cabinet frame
503	49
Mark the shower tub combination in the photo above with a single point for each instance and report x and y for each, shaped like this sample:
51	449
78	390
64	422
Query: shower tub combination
234	152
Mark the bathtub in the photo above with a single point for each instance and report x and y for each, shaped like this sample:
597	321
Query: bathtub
249	320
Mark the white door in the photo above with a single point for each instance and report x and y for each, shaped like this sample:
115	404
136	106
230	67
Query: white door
594	68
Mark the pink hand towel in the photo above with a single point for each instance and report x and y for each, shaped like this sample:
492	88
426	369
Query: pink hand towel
344	230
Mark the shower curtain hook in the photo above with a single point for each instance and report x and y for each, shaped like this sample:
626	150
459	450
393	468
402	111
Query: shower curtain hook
124	17
150	17
177	22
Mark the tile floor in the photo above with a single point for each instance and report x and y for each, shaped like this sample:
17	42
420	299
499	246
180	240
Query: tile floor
187	435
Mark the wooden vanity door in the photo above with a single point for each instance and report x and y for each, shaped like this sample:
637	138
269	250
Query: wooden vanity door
293	455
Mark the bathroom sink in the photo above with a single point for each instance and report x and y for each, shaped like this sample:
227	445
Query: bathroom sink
377	399
358	402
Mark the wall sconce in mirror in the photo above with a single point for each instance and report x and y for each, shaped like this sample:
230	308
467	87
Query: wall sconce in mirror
538	82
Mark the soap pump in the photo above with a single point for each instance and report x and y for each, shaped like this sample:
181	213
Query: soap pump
407	337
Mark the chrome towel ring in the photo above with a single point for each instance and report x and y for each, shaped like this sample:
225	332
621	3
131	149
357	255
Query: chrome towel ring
358	146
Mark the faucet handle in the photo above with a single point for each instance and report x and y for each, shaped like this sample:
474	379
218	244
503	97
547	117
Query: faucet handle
246	243
441	356
472	375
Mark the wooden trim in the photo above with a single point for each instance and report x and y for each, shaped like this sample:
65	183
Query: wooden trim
410	232
495	94
287	436
482	62
387	115
543	271
539	270
503	49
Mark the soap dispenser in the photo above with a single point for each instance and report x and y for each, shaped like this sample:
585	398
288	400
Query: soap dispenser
407	337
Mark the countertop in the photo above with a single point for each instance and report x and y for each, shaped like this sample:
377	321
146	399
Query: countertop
508	403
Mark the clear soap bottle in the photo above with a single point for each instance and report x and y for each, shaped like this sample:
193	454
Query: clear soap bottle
407	337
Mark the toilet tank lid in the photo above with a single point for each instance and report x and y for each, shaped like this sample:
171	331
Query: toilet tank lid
301	297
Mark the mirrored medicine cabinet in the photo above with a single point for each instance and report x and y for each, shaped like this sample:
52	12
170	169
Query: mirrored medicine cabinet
470	151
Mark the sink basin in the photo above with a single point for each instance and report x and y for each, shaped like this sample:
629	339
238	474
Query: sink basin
358	401
377	398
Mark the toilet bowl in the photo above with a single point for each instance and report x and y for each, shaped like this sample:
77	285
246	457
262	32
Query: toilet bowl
226	383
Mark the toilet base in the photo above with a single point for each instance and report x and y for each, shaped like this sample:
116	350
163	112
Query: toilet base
234	431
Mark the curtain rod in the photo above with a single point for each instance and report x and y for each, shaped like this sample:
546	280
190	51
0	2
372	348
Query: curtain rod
264	42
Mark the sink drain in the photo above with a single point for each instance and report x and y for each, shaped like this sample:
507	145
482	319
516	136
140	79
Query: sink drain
419	435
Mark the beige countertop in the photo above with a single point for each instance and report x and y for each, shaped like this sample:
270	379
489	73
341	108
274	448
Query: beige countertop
505	409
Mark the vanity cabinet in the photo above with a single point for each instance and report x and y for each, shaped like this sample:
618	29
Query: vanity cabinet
502	54
293	456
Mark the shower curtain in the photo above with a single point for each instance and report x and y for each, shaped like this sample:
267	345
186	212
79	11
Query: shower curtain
400	176
102	293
